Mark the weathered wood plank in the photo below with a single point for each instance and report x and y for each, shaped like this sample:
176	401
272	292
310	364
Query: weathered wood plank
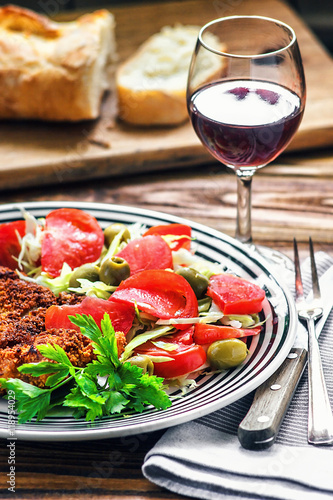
284	206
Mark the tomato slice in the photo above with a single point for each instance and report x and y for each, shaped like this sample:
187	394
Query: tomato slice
181	337
206	334
163	294
121	315
177	230
72	236
151	252
185	358
9	242
235	295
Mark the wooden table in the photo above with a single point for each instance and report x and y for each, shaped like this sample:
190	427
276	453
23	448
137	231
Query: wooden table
292	197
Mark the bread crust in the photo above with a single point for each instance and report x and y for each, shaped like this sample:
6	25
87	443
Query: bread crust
54	71
153	107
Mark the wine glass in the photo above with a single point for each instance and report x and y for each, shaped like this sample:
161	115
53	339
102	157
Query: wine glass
246	97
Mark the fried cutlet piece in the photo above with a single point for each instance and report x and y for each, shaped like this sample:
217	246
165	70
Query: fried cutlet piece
77	347
22	327
23	306
21	296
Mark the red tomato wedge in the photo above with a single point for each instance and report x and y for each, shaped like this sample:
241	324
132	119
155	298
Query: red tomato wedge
121	315
9	242
235	295
177	230
185	358
181	337
151	252
206	334
72	236
161	293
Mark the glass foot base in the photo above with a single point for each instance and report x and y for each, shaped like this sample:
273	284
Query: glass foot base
274	257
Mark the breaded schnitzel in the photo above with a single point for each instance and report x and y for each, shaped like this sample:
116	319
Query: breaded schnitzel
22	327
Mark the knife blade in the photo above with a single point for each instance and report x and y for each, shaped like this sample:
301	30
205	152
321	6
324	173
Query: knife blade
260	426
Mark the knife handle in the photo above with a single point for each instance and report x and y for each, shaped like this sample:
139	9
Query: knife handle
259	428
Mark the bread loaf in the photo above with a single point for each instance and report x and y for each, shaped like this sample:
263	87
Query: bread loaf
151	84
54	71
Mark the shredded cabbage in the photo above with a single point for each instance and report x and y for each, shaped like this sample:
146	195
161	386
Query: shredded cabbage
31	242
93	288
136	230
142	338
58	284
208	318
167	346
242	320
183	383
159	359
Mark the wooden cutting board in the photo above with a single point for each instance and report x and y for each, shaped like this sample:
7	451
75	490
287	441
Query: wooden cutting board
34	154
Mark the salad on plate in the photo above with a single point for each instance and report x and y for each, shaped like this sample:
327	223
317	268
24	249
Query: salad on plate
180	314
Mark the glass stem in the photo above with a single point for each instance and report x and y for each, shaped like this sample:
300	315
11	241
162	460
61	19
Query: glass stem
243	228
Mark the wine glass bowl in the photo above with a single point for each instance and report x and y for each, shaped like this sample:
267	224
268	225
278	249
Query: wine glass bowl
246	97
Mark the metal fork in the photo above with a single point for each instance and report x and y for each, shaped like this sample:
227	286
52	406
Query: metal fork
320	422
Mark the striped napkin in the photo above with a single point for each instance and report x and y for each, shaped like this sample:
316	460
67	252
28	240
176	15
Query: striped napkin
204	459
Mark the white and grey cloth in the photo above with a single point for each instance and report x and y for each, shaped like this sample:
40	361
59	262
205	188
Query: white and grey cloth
204	459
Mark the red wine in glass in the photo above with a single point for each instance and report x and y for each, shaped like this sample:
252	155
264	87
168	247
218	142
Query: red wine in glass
245	123
246	95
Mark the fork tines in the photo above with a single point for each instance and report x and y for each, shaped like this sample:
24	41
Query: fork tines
315	281
298	276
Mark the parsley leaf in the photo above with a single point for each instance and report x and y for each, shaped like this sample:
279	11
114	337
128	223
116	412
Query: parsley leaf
61	371
31	401
56	353
106	386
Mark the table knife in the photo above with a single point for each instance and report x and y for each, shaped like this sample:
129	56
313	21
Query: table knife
259	428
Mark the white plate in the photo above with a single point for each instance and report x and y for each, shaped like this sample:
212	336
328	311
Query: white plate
267	350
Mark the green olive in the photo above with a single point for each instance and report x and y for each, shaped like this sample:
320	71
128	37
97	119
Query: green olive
113	271
224	354
143	362
198	281
111	232
87	272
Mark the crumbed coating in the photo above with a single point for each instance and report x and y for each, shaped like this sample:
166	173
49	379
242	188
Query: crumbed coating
77	346
20	296
69	298
22	328
15	329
